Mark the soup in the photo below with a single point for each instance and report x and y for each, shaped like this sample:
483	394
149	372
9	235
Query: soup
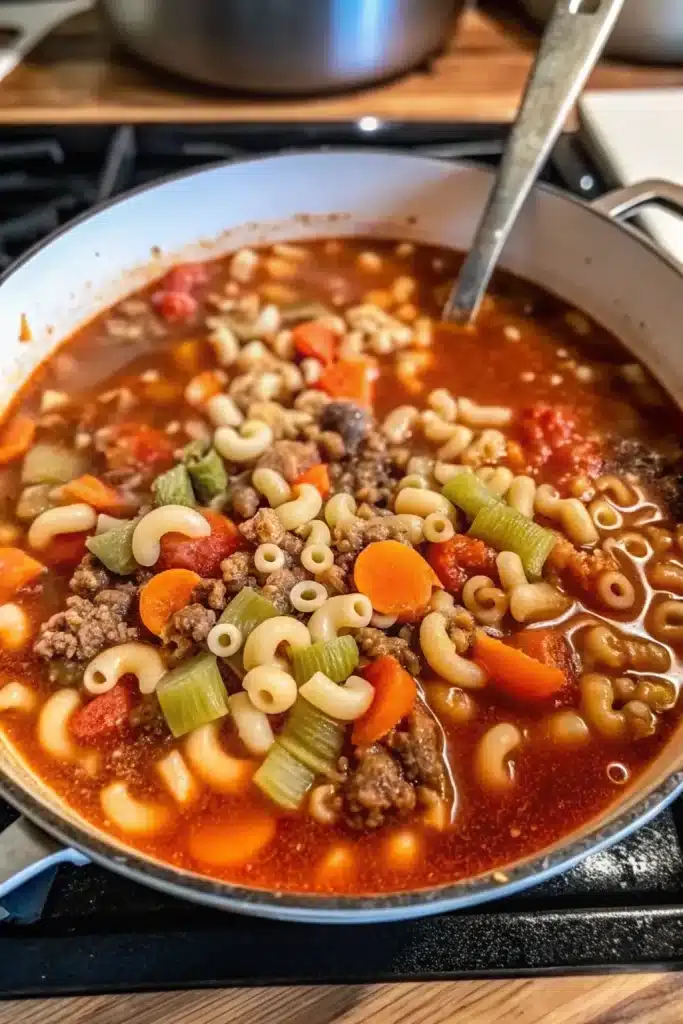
306	591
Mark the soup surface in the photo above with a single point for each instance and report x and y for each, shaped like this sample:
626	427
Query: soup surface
306	591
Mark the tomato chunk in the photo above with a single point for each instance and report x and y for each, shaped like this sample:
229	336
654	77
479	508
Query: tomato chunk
459	558
104	716
185	277
552	441
175	307
137	444
65	549
204	554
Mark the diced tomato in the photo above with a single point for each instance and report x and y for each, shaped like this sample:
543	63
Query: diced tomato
350	378
316	341
459	558
552	441
104	716
547	646
175	307
141	445
204	554
65	549
185	277
580	458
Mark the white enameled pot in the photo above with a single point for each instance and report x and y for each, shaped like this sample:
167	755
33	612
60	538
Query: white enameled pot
579	252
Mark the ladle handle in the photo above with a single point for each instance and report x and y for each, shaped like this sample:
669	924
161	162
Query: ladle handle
571	45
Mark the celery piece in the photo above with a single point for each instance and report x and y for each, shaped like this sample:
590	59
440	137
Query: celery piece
283	778
468	492
33	500
208	474
47	463
336	658
505	529
115	548
174	488
313	737
192	694
247	610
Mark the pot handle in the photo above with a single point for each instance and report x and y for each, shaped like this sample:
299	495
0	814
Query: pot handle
26	853
29	23
624	202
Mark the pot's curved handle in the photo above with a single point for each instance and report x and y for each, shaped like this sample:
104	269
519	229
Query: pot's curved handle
25	854
624	202
27	24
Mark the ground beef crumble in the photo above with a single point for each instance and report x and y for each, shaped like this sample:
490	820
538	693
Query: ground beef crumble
374	643
370	475
354	534
290	458
278	585
244	500
87	627
263	528
416	743
375	789
238	571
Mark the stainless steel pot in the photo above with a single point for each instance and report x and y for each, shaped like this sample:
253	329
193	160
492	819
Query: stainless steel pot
282	46
609	270
649	30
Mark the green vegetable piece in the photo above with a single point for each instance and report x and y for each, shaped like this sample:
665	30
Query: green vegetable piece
336	658
208	474
247	610
115	548
468	492
174	488
33	500
192	694
505	529
47	463
283	778
313	737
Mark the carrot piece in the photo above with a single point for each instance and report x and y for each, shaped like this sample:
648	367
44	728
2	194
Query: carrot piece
396	578
16	570
544	645
203	387
395	695
96	493
166	593
237	841
316	341
319	476
16	438
350	378
515	672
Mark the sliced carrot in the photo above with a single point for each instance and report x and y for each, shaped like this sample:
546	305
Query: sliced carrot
319	476
166	593
350	378
316	341
233	842
515	672
395	577
545	645
16	570
395	695
96	493
16	438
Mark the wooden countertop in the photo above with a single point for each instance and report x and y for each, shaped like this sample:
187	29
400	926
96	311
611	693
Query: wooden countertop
616	999
77	75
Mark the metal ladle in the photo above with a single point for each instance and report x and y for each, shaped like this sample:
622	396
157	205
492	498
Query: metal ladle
569	50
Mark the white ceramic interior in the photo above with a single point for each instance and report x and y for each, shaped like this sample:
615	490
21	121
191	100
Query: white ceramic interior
559	243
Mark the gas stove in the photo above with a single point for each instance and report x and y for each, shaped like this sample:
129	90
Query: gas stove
86	930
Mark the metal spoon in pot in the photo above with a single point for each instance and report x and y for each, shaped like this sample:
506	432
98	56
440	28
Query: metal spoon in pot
569	50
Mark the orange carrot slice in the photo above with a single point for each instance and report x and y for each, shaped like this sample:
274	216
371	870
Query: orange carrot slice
16	438
515	672
395	695
314	340
319	476
233	842
350	378
16	570
395	577
96	493
166	593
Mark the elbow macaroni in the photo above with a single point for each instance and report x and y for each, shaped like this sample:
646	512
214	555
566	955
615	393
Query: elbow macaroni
305	506
136	817
216	768
272	485
253	439
346	611
253	727
140	660
76	518
345	702
167	519
15	627
270	689
177	778
263	642
442	657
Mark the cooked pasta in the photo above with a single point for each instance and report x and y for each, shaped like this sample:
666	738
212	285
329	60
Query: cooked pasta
521	495
17	697
510	570
479	416
76	518
270	689
458	440
15	627
322	802
442	657
268	558
307	597
346	611
253	727
53	725
263	642
141	660
317	558
666	622
615	591
272	485
437	528
338	508
617	490
224	639
666	575
223	412
315	532
487	603
210	762
398	425
130	815
422	503
487	449
534	602
177	778
497	480
345	703
305	506
147	535
243	445
492	766
604	515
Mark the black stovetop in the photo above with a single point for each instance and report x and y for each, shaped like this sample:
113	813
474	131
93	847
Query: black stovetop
87	930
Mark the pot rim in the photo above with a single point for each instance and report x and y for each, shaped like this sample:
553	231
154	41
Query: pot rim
301	907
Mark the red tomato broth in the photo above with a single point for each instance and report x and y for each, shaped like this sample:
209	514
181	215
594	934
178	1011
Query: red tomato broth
556	790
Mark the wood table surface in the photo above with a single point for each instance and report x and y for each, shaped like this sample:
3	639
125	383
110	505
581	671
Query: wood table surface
615	999
77	75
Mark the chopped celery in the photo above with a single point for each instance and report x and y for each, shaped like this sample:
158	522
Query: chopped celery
208	474
192	694
508	530
194	450
33	500
247	610
313	737
302	309
174	488
47	463
283	778
336	658
468	492
114	548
